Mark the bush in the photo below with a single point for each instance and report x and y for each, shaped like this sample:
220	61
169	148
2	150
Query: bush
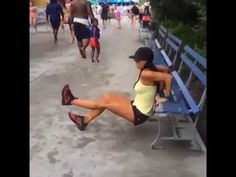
184	18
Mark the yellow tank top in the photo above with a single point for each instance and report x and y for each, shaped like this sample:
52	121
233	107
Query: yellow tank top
145	96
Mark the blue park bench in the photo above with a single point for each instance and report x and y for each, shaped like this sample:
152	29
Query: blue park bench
183	110
173	47
162	34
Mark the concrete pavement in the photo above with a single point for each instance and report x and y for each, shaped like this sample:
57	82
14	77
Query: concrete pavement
111	146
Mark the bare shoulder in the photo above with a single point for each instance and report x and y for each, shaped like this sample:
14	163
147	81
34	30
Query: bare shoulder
148	74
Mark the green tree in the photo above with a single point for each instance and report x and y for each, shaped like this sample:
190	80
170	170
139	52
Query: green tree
184	18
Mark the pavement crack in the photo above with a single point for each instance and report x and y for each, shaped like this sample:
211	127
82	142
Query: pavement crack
43	73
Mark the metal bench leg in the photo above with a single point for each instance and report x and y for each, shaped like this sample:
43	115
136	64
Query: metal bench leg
195	146
157	137
173	125
196	143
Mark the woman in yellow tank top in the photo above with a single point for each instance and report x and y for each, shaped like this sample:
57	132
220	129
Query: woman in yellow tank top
137	111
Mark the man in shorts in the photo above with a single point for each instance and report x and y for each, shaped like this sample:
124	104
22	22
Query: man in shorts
81	10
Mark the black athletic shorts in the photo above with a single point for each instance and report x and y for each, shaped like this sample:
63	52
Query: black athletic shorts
81	31
104	16
55	24
139	118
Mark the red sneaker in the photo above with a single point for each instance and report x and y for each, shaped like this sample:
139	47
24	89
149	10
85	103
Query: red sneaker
67	96
78	120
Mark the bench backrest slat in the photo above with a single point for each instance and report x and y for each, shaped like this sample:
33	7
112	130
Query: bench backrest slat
192	64
193	106
196	55
162	35
174	44
194	69
174	38
196	66
158	44
167	59
163	29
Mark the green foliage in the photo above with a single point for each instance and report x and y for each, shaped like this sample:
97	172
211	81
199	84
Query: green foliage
187	20
184	18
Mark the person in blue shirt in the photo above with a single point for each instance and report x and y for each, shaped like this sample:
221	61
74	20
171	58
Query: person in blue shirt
53	13
93	41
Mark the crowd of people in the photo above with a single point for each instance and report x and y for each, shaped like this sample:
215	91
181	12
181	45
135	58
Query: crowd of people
134	13
79	15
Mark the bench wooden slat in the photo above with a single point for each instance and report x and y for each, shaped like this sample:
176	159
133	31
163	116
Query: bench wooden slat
194	108
176	104
163	29
201	76
198	57
181	102
174	38
162	34
158	44
166	58
172	44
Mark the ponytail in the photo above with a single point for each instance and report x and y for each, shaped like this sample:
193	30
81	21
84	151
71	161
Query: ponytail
150	65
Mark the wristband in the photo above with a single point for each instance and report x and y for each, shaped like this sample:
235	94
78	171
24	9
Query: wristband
167	97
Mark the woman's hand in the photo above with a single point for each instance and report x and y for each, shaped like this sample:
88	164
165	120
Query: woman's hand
160	100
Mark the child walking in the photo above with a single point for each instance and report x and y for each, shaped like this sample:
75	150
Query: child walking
93	41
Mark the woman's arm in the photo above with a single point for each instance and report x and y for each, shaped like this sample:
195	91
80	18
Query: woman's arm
47	13
162	68
153	76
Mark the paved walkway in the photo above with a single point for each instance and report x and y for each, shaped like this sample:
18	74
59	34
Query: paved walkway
111	146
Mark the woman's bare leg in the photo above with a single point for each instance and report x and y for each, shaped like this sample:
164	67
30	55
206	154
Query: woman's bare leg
98	52
132	19
62	27
92	54
85	45
31	21
72	36
119	24
80	47
55	33
104	24
88	104
35	24
114	102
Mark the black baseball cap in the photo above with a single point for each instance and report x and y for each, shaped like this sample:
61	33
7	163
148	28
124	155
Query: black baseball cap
143	53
